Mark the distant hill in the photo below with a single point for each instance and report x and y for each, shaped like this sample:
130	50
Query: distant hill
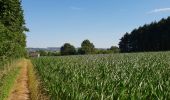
52	49
49	49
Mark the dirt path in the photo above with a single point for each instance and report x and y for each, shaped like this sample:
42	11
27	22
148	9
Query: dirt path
20	90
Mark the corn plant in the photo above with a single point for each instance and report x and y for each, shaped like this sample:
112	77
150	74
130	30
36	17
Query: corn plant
140	76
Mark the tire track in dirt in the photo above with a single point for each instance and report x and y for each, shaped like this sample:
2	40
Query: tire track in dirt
20	90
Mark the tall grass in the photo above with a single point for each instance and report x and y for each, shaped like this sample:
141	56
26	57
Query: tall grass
34	85
7	81
106	77
8	75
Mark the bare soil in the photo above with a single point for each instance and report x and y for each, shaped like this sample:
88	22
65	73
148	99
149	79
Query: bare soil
20	90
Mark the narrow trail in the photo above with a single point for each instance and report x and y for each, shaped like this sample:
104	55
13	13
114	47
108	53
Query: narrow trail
20	90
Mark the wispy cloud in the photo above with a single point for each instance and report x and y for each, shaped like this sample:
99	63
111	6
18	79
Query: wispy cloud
160	10
75	8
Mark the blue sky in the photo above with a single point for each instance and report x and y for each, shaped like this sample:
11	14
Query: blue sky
55	22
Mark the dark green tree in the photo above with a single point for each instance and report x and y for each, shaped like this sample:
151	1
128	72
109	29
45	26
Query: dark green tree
68	49
12	28
124	44
11	15
86	48
150	37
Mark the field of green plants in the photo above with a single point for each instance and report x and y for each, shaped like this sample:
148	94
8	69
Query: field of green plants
136	76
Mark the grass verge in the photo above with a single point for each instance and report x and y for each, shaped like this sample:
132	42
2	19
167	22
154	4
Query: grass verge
6	68
34	85
7	82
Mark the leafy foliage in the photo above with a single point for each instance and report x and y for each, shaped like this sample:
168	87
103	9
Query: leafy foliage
114	49
111	50
12	37
86	47
68	49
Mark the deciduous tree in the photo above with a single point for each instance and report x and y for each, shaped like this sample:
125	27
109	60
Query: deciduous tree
68	49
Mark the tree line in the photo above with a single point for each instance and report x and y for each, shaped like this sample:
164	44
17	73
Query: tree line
12	28
150	37
86	48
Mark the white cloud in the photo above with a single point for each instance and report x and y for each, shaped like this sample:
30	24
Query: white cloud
75	8
160	10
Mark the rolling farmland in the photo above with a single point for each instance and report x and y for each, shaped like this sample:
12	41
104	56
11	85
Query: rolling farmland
84	50
106	77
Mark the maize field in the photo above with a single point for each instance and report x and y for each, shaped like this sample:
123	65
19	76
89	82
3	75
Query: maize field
135	76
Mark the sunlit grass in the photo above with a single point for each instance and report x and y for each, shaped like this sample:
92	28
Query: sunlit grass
7	82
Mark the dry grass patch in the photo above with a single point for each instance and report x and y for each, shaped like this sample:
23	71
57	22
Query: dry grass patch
34	85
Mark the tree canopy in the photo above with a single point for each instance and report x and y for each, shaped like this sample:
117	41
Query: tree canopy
68	49
150	37
12	28
86	47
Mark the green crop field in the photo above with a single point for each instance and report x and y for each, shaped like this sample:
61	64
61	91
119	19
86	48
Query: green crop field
140	76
